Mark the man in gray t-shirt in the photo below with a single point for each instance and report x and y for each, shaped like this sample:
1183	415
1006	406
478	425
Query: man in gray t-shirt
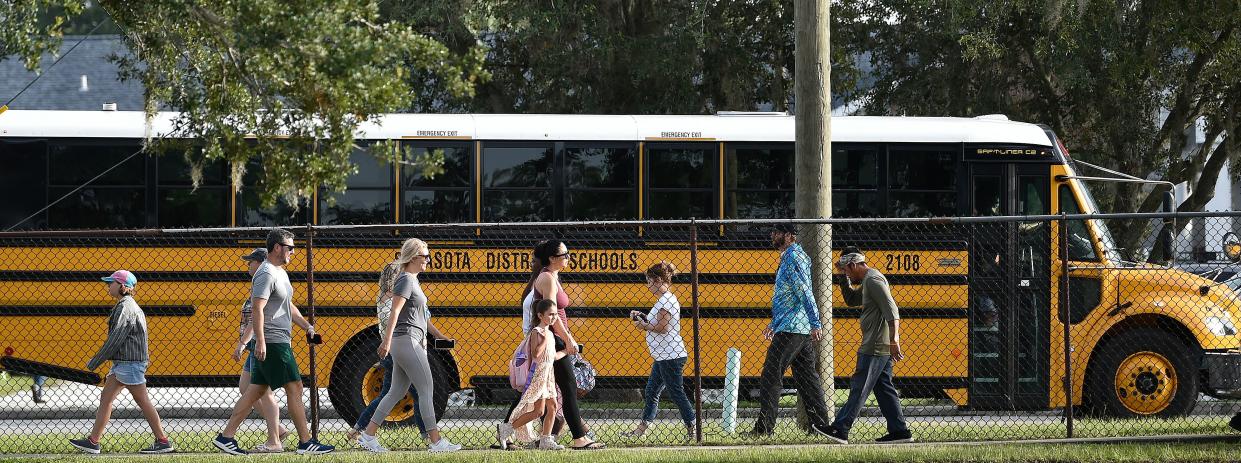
878	312
880	347
273	317
271	282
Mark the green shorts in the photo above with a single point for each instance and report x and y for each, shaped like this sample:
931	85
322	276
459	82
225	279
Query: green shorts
279	369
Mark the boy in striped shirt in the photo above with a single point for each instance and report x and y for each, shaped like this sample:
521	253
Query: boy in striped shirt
126	348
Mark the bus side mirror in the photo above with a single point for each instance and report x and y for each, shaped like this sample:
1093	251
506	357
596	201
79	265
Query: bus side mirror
1232	246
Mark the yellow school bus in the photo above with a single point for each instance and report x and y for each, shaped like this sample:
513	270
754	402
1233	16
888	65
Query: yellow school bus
982	320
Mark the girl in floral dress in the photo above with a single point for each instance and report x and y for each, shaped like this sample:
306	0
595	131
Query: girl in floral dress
539	398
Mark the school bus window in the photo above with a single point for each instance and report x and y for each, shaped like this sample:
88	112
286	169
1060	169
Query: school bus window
855	181
759	181
367	198
1080	244
855	204
1085	294
922	182
250	210
23	184
517	183
439	206
457	169
178	204
855	168
1033	196
76	164
682	181
115	200
600	182
444	197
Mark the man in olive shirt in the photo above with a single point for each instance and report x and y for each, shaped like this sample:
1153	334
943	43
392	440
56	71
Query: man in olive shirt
880	347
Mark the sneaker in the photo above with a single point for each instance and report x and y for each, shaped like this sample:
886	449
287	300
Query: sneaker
36	395
831	433
159	447
444	445
546	443
370	443
503	432
1235	422
228	445
896	438
313	447
85	445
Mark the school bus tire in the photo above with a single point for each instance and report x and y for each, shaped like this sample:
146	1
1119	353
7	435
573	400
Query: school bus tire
1143	373
356	377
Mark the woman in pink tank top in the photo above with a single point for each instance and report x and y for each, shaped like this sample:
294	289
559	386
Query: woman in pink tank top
550	257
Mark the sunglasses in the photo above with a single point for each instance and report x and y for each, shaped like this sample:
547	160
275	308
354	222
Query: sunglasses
560	255
288	246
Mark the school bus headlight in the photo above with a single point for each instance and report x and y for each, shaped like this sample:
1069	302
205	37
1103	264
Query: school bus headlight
1221	325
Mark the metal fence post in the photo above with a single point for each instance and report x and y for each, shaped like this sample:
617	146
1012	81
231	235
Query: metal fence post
693	271
310	305
1065	321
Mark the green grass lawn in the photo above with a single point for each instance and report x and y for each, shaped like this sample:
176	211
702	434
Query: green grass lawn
659	435
1164	453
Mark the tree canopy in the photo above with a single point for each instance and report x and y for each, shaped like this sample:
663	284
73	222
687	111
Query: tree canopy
1122	82
286	80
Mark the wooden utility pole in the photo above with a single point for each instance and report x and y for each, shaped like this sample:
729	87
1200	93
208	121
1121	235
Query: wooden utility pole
813	196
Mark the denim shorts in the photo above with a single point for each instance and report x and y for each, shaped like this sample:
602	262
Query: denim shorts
251	362
129	373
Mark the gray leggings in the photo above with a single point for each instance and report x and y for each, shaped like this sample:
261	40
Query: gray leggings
409	365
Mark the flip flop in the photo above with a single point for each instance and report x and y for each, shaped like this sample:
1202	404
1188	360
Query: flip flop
263	448
591	446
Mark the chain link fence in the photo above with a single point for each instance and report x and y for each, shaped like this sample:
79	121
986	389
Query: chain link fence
1149	348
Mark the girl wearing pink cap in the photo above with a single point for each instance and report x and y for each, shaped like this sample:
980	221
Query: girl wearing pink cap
126	348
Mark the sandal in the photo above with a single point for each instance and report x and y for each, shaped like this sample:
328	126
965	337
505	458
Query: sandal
510	446
263	448
592	446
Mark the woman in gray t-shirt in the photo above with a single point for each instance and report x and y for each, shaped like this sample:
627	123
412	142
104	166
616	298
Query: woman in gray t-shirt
406	340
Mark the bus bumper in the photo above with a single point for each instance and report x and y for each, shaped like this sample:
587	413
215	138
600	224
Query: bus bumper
1223	372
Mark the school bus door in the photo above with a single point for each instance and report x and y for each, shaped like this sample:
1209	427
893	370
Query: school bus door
1010	282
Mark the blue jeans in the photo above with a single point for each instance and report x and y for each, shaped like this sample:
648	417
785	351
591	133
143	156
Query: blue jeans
39	380
365	418
874	372
667	373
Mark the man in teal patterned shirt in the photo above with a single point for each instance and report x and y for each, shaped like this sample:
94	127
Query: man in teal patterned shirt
794	324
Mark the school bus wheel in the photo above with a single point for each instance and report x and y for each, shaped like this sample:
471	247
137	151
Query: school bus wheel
357	379
1144	373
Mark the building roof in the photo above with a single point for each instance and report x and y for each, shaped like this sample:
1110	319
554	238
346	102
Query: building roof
83	80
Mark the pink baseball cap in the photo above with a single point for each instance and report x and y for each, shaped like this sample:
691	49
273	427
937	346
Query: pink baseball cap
124	277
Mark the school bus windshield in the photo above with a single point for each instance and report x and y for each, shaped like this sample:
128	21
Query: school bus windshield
1110	251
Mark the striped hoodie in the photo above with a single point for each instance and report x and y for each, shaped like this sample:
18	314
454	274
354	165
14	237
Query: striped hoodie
127	335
